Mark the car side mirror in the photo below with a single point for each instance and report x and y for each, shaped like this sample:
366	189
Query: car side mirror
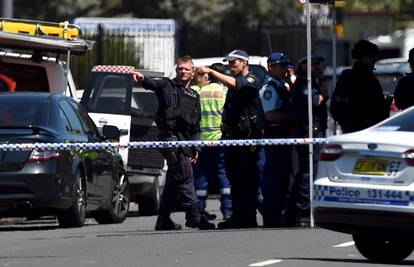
111	132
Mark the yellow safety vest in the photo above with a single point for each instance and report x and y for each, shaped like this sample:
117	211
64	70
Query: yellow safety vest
212	98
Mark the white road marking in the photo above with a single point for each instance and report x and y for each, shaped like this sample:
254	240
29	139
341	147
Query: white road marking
343	245
264	263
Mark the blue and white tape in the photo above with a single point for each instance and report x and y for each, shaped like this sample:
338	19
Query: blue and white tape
160	144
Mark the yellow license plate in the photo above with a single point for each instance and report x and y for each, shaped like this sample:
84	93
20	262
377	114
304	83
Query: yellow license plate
371	166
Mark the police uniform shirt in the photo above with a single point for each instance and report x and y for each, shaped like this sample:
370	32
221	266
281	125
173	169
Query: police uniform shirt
268	95
242	100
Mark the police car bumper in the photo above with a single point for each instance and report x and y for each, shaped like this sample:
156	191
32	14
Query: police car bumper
355	208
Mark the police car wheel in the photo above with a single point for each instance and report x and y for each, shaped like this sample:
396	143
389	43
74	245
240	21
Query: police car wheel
149	205
374	247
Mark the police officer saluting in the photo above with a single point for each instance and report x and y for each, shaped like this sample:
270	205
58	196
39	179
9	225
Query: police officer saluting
279	120
239	121
178	118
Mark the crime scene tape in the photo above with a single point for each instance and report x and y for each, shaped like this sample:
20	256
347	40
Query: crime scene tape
160	144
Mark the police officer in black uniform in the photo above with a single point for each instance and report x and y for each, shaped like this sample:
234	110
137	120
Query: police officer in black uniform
358	101
240	121
404	92
298	210
178	118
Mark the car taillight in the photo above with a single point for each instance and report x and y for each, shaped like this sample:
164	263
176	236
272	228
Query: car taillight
330	152
408	156
43	155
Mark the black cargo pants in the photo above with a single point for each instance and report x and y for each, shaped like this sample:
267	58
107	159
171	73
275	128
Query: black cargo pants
179	181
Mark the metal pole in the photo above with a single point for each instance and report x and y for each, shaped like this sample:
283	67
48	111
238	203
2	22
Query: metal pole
7	8
334	37
310	115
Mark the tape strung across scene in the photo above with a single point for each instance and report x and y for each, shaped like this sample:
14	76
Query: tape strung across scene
160	144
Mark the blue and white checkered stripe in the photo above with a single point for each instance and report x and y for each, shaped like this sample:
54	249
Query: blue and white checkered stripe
160	144
319	192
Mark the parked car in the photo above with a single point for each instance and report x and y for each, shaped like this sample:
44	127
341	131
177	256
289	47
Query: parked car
110	97
365	187
65	183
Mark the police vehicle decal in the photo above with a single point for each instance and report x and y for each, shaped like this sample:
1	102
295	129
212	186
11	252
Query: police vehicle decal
324	193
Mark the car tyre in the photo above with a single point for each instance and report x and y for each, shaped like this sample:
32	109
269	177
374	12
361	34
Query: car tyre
149	205
383	249
75	215
118	209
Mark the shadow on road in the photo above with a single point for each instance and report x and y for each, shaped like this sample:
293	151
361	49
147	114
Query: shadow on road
408	262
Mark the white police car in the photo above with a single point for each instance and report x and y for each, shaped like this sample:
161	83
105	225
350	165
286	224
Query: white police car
365	187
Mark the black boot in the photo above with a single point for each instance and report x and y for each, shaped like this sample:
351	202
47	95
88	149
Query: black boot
165	223
195	219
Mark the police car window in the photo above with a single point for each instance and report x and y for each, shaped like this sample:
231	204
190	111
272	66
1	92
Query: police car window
75	124
110	95
146	101
401	123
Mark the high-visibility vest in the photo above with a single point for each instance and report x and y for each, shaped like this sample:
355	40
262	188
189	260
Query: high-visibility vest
11	84
212	98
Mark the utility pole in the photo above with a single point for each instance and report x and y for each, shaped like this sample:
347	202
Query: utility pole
7	8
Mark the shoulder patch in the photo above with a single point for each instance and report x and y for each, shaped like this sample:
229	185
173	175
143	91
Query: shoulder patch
250	79
267	94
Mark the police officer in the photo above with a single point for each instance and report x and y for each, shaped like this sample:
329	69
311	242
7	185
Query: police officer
240	121
279	117
298	210
178	118
211	161
358	101
404	92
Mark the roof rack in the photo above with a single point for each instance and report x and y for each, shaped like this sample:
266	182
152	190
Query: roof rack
40	28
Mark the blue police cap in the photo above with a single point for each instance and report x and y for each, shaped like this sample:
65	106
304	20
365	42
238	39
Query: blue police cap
237	54
279	58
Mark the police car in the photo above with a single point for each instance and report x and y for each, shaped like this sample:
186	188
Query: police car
365	187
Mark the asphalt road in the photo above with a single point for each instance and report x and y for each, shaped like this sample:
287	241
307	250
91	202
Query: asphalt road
135	243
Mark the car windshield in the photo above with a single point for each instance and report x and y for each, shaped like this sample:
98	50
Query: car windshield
403	122
22	112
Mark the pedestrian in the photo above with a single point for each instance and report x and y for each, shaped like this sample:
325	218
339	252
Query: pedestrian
278	113
178	118
298	210
358	101
210	165
240	121
404	92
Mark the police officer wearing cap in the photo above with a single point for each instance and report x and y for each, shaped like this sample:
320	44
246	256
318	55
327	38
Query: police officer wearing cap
404	92
240	121
298	210
277	107
178	118
358	100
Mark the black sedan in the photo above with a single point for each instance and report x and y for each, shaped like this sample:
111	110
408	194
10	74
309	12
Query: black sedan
66	183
